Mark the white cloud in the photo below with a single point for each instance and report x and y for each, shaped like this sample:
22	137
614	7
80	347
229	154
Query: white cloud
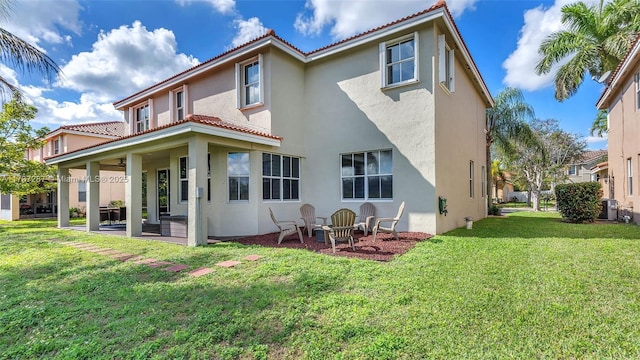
350	17
597	139
247	30
53	114
221	6
123	61
38	21
539	23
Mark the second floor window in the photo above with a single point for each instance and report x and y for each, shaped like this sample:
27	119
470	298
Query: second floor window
141	119
56	146
179	105
446	64
637	83
399	60
249	82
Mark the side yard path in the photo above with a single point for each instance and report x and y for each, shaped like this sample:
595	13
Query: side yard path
151	262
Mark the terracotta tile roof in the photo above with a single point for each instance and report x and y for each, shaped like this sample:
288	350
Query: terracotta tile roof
110	128
437	5
200	119
607	90
271	33
589	156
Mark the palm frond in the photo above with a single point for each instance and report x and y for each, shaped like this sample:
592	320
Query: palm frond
25	56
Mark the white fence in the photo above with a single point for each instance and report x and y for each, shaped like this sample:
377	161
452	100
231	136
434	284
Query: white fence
522	196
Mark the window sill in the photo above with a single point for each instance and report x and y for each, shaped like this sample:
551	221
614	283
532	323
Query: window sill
251	106
400	84
445	88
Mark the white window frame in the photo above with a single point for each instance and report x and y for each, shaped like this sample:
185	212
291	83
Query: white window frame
173	103
471	180
446	65
179	96
56	146
384	65
208	177
137	122
241	100
269	175
237	176
82	189
636	79
349	172
630	175
183	196
573	170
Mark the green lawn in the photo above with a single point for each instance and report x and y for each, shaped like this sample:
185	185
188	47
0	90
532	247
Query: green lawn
525	286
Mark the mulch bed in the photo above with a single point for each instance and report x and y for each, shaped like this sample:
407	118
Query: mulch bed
384	249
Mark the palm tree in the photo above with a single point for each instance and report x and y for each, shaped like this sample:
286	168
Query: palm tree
599	125
595	41
506	122
20	54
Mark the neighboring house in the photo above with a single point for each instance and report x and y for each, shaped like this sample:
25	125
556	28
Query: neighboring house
65	139
600	173
621	98
390	115
580	170
502	188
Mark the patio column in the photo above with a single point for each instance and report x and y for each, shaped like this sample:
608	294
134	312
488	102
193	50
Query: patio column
93	196
133	194
152	196
63	197
197	222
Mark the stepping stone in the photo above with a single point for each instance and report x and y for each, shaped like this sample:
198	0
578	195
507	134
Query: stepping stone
121	256
176	268
133	258
84	246
109	252
146	261
253	257
98	250
159	264
228	263
201	271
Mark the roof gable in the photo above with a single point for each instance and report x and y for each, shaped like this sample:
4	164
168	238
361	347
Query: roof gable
271	39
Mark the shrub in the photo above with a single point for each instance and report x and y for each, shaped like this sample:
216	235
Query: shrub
494	210
116	203
579	202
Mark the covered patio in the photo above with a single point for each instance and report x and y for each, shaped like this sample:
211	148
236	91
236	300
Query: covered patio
180	154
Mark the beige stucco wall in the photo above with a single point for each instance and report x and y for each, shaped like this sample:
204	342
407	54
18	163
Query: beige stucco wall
624	131
459	139
347	111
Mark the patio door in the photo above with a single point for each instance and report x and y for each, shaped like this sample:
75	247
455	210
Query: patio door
163	193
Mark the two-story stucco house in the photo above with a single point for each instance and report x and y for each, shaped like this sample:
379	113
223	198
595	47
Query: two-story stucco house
65	139
393	114
579	170
621	98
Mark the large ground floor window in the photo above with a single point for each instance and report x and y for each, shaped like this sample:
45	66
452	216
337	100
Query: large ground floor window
280	177
238	175
367	175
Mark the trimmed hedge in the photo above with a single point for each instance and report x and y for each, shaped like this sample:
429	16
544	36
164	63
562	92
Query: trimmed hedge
579	202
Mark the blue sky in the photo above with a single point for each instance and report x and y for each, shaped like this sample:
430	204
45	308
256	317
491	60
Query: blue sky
109	49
